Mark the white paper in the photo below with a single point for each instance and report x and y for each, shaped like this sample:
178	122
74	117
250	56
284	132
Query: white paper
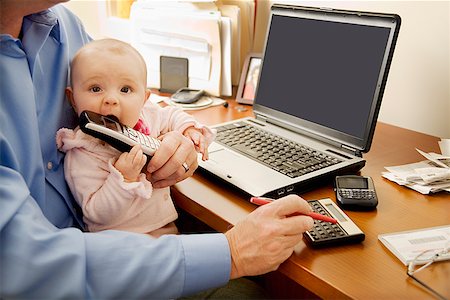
194	35
429	176
406	172
440	160
159	43
408	244
419	187
233	12
444	145
433	174
226	88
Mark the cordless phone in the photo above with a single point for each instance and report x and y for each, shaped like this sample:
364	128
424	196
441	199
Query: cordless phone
121	137
187	96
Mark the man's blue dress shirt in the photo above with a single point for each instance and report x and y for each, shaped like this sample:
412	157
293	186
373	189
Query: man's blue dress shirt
42	253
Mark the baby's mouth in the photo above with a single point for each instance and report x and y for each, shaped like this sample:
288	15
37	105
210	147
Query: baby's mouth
112	117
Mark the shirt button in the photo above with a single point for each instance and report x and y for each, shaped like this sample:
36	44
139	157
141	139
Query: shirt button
166	196
49	165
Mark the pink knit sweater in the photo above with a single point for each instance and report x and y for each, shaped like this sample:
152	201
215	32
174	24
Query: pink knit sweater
107	201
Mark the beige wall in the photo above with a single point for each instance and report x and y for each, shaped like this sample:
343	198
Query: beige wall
92	14
417	94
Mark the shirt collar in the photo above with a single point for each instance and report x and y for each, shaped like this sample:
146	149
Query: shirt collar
47	17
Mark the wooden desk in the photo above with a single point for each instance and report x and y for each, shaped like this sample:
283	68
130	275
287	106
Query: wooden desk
362	271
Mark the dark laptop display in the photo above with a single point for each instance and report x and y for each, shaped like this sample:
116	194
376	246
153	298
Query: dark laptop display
325	71
321	84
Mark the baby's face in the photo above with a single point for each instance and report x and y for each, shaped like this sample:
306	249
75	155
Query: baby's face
109	84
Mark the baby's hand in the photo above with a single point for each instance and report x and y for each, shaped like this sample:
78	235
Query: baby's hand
198	139
131	163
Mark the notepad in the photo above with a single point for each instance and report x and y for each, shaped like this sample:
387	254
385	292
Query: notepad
406	245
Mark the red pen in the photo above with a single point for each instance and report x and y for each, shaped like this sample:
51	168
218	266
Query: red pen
316	216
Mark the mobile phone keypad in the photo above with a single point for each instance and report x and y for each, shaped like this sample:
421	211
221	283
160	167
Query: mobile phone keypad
357	193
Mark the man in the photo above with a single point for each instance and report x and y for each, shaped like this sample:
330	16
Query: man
42	252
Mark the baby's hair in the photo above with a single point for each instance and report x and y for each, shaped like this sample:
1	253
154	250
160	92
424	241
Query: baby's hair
108	45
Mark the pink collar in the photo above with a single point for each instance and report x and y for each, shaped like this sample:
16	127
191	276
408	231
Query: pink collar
141	127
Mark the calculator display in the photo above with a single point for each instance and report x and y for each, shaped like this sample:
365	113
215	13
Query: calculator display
335	212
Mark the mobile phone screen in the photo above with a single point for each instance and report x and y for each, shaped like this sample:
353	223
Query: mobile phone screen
353	183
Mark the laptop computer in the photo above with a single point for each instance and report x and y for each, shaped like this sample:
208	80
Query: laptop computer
321	83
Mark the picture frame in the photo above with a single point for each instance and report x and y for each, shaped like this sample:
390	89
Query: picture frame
248	82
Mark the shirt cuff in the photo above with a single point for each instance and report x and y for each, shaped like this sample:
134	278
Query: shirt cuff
208	261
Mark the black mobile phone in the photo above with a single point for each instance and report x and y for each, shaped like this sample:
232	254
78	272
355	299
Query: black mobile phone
121	137
355	192
187	96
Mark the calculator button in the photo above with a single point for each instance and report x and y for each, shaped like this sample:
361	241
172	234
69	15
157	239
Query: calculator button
323	230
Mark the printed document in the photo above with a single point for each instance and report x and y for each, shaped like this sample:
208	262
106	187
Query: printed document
429	176
407	245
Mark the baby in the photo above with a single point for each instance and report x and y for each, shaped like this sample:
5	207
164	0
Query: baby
109	77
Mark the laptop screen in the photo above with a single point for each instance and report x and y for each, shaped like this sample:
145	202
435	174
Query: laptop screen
325	72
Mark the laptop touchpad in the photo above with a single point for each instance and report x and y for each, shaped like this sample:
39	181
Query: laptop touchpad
238	166
222	156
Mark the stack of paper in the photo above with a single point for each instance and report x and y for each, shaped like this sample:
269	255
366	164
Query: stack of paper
211	35
428	176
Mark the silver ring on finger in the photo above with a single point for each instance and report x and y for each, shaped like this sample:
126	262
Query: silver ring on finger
185	167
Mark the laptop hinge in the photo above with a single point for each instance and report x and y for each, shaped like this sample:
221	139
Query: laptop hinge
261	118
351	150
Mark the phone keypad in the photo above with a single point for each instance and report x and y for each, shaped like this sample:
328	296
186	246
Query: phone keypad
141	138
357	193
324	230
151	142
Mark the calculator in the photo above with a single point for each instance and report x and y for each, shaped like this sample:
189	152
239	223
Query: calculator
327	234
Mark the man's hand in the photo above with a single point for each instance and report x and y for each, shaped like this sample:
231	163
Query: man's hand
166	166
267	236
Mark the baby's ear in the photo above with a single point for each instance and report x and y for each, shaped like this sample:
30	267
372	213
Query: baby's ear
69	95
147	94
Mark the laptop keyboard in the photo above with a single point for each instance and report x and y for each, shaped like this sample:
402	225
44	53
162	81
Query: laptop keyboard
282	155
